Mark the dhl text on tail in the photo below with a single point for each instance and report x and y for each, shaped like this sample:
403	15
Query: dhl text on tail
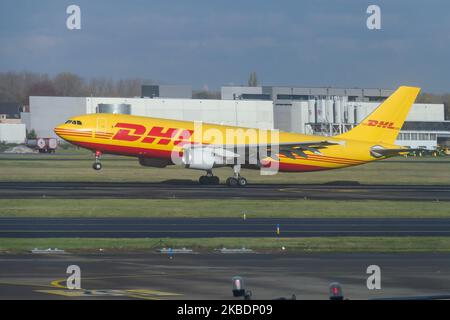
162	142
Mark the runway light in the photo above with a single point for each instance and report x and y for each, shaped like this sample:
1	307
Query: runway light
336	292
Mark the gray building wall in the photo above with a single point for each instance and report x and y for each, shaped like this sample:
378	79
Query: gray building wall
361	94
48	112
166	91
235	92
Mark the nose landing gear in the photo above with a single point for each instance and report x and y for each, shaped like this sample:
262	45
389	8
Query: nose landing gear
97	165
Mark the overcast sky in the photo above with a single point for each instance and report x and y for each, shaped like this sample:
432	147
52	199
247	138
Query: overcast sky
219	42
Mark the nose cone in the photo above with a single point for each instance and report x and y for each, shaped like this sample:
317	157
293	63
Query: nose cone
60	130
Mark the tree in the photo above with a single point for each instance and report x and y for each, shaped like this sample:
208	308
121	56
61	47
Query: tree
31	134
252	80
69	84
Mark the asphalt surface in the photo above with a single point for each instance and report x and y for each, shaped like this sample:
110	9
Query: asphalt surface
208	275
191	190
219	227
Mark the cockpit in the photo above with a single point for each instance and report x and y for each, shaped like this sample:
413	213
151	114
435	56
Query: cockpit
76	122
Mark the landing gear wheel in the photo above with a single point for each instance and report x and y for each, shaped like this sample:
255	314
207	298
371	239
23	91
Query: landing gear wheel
242	181
215	180
97	166
232	182
237	179
209	180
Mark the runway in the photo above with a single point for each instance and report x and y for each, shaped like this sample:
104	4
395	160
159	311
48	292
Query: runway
218	227
208	276
191	190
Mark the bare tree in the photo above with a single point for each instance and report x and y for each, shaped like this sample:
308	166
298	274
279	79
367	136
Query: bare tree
17	87
69	84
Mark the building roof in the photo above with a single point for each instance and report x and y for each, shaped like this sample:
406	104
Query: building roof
11	109
426	126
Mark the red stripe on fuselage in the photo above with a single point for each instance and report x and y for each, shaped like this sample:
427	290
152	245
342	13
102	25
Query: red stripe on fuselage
297	167
322	159
124	150
73	131
76	135
312	157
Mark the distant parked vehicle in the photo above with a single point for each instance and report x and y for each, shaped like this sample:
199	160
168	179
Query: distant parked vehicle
43	145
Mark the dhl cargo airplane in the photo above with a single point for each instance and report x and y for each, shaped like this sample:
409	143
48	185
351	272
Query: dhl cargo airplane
155	142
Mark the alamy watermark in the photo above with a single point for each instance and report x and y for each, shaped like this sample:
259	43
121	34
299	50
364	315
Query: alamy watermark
374	280
373	22
73	21
73	282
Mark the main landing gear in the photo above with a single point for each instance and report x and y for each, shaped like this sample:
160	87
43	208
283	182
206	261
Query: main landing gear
236	180
97	165
209	179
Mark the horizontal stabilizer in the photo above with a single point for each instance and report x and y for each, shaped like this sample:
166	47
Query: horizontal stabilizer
379	152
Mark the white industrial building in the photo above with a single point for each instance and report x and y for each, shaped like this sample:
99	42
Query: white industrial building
12	132
48	112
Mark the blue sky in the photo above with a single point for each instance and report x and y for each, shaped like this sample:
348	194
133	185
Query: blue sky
213	43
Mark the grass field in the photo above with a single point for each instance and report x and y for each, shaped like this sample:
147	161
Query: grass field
309	245
73	165
222	208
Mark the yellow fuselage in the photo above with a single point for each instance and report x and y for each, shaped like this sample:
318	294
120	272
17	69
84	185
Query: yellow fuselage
146	137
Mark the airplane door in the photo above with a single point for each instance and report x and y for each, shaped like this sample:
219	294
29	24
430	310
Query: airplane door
101	125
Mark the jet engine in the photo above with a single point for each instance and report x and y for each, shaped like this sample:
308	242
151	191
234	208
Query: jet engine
199	158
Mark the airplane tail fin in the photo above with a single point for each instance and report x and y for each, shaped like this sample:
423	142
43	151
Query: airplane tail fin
385	122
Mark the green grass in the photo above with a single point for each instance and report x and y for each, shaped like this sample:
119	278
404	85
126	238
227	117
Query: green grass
221	208
309	245
75	165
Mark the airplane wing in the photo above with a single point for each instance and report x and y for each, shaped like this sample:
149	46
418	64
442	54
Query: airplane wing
288	149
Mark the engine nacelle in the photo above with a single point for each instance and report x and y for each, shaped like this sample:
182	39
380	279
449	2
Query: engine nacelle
199	158
154	162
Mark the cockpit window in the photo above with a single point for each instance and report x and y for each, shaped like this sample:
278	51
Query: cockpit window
77	122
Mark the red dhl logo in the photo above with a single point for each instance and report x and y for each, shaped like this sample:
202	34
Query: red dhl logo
134	132
380	124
